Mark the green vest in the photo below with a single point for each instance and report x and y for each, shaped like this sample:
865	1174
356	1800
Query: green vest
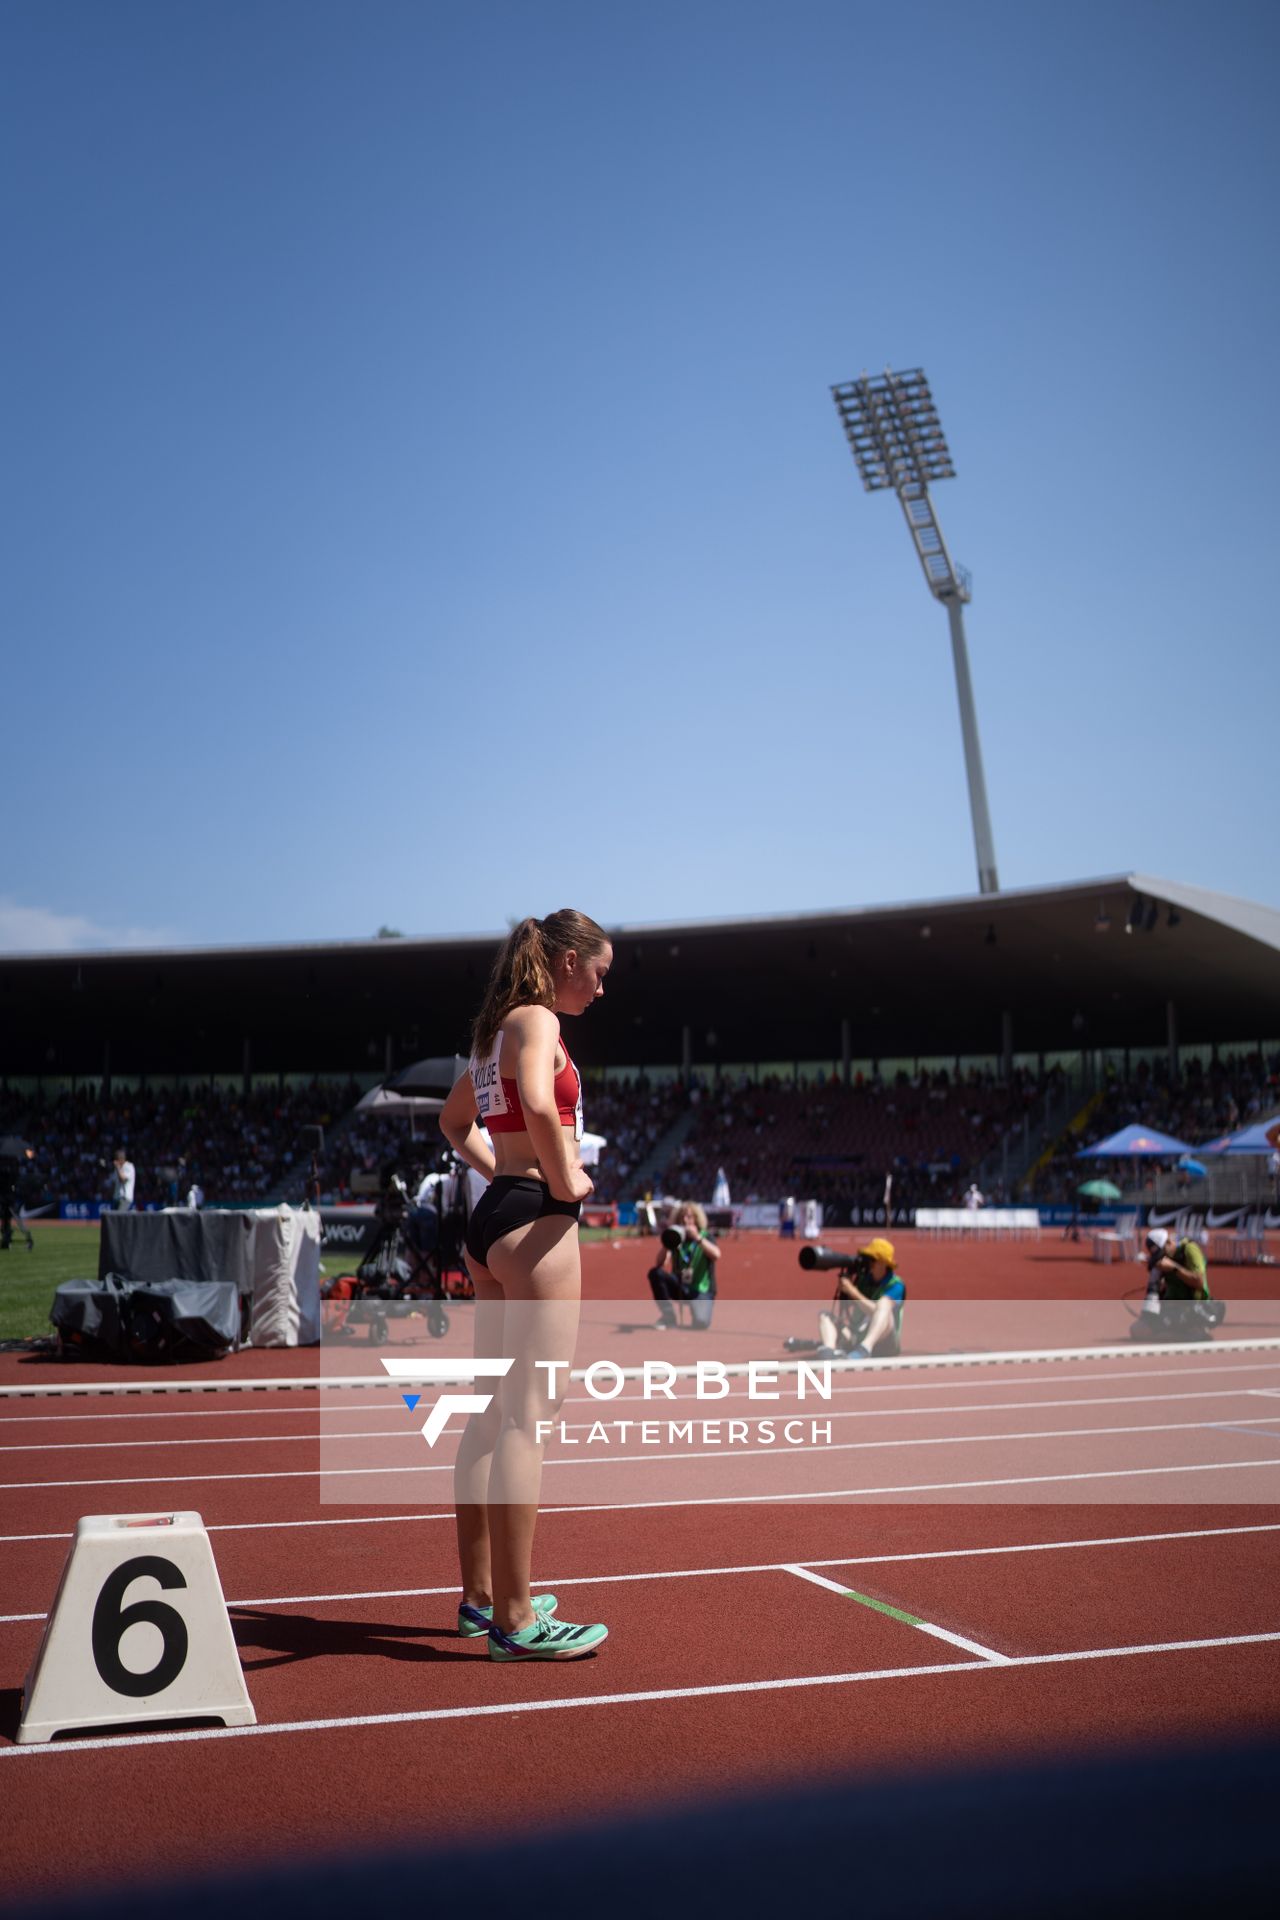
1187	1253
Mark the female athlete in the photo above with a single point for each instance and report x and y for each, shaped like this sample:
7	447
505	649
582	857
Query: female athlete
522	1255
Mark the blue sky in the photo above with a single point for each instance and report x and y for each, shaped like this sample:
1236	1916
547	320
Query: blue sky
425	503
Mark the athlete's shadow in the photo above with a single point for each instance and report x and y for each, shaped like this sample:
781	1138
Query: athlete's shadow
282	1638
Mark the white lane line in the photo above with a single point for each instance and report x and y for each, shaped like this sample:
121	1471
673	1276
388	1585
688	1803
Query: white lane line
762	1405
898	1613
694	1458
651	1695
674	1573
904	1363
202	1440
111	1416
397	1519
728	1499
849	1382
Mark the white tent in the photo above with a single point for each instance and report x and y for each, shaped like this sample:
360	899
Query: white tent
382	1100
589	1146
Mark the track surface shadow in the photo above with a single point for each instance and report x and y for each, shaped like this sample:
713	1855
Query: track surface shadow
283	1638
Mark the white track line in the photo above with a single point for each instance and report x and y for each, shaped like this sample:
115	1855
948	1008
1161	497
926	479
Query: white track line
849	1381
713	1573
676	1573
636	1459
902	1364
899	1613
577	1426
850	1494
652	1695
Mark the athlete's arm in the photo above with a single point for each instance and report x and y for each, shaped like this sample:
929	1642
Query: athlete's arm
459	1125
532	1033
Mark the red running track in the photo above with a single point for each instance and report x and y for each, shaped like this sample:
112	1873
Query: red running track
1085	1626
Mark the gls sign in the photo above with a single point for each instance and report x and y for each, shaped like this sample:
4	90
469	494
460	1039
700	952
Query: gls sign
439	1373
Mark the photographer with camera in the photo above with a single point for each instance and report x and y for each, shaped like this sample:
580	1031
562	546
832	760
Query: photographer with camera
1178	1305
866	1312
687	1270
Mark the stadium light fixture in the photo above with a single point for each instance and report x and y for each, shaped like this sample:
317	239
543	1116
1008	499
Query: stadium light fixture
892	425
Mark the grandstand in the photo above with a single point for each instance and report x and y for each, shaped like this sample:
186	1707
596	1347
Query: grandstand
816	1052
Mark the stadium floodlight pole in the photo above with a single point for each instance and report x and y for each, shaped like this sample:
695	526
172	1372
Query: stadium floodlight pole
892	425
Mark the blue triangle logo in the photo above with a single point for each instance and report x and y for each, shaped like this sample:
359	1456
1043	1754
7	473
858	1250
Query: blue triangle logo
411	1400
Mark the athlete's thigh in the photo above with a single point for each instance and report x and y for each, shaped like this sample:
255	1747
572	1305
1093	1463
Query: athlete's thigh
540	1261
489	1313
539	1270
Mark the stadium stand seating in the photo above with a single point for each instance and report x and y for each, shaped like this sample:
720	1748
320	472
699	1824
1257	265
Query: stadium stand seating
1199	1104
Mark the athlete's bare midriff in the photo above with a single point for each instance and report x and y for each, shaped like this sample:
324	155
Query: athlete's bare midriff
515	1156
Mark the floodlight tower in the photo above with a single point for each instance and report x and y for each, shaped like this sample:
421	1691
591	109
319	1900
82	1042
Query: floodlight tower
892	425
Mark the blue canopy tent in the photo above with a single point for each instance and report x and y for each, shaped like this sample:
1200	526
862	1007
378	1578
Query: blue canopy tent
1262	1137
1136	1143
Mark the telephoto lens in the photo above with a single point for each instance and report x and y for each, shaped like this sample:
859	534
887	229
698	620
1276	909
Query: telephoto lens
824	1259
672	1237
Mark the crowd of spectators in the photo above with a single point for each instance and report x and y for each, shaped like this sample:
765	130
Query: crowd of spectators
826	1141
633	1116
236	1147
815	1139
1197	1105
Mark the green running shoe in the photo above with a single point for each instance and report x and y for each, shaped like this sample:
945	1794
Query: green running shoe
546	1639
473	1621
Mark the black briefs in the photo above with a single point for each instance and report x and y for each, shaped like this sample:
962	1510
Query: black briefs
512	1201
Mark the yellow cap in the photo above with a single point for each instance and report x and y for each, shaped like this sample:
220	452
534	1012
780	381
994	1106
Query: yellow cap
879	1250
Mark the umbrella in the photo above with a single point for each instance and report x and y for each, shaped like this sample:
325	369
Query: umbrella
1136	1143
1100	1190
382	1100
1261	1136
1190	1165
434	1076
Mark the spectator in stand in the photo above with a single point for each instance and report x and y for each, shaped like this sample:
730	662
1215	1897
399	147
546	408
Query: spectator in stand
974	1198
687	1272
124	1177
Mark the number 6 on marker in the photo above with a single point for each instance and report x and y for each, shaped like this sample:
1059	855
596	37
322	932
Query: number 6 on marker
81	1677
111	1622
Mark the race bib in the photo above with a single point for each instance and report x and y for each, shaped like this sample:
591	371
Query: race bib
486	1082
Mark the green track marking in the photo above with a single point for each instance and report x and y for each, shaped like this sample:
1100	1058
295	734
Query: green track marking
882	1606
898	1613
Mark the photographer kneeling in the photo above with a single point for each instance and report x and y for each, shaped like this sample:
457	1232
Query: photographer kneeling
687	1269
867	1308
1178	1305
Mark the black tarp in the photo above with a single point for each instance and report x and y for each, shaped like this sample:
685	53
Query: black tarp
155	1321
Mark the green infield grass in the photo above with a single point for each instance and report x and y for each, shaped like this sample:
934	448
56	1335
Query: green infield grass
28	1280
70	1252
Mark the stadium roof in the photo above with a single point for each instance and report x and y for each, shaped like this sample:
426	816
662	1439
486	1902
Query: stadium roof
1093	963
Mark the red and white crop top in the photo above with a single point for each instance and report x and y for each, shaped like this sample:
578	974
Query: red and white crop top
498	1099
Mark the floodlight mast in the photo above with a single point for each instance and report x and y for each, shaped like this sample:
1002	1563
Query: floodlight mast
892	425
